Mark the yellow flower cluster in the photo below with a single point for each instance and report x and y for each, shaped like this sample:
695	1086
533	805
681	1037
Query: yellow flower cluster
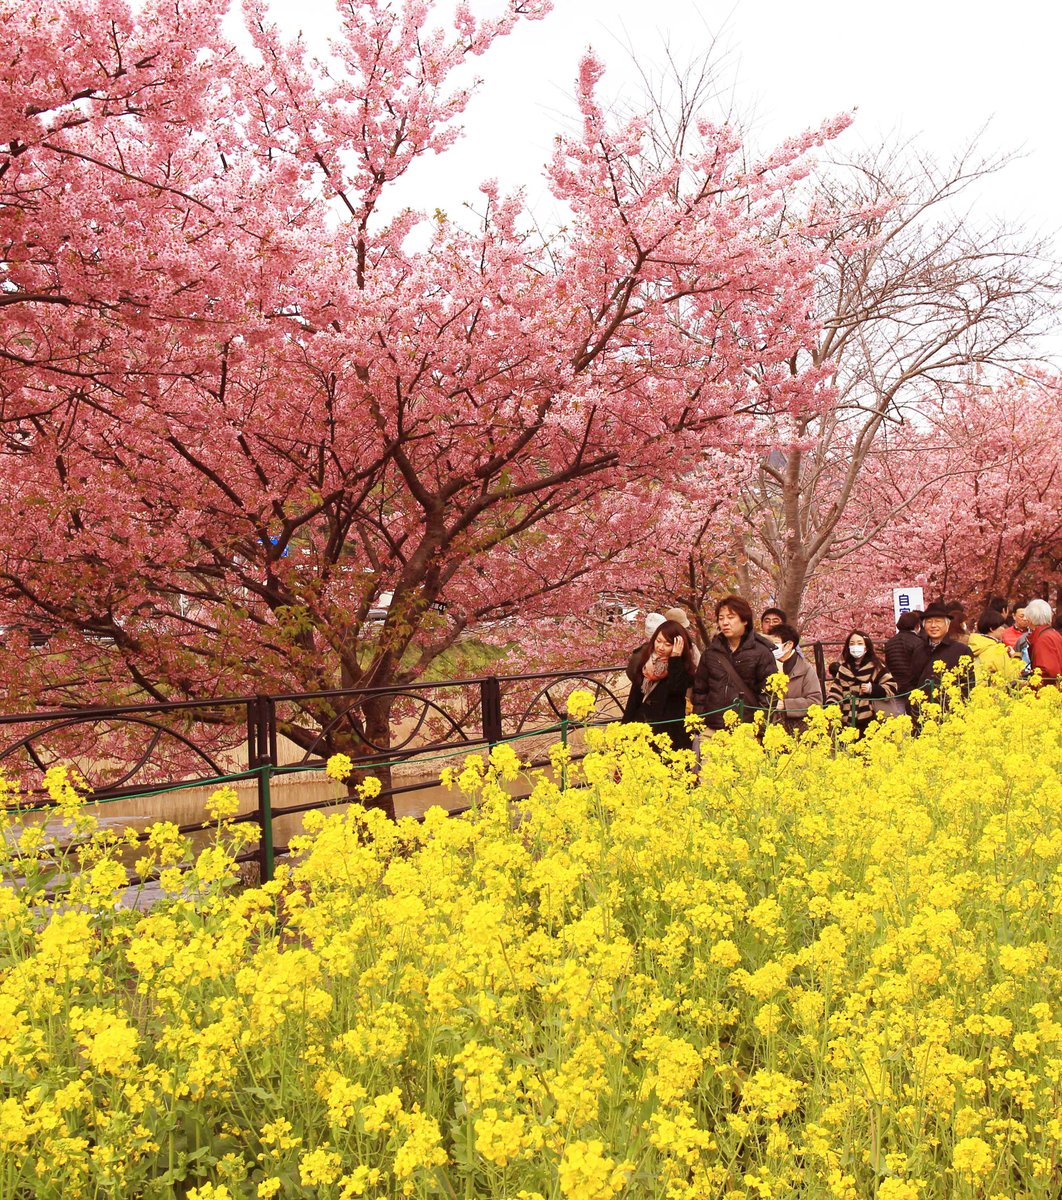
339	767
790	968
777	685
581	704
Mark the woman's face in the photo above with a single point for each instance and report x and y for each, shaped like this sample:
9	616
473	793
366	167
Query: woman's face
857	648
662	645
730	624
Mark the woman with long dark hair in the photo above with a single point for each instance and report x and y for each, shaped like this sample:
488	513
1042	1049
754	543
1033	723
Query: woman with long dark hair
663	673
860	678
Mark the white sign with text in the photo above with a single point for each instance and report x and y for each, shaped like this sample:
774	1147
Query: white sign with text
906	600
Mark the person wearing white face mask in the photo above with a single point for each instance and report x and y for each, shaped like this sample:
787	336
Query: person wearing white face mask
861	678
804	688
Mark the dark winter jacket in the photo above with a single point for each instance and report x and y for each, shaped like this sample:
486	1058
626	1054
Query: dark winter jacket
902	651
632	662
665	708
714	687
846	689
949	652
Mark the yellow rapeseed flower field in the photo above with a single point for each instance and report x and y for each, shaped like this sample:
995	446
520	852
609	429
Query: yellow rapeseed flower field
815	968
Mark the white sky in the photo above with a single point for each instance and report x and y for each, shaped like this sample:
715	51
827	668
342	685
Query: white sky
933	70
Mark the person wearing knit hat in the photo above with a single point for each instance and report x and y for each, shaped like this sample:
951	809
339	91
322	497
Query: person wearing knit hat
653	621
939	648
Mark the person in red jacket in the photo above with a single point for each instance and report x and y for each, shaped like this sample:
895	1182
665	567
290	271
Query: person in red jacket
1045	643
1013	632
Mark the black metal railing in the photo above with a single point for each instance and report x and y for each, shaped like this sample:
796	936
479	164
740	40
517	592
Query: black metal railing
143	751
138	751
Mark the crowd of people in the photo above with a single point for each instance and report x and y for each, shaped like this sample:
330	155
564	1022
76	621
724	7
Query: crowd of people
672	672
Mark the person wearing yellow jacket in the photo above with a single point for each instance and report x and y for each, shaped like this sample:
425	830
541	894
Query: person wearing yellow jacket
993	658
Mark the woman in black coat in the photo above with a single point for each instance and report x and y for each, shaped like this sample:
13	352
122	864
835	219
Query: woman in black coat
735	666
663	674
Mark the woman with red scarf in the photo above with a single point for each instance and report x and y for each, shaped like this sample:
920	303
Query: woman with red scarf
663	674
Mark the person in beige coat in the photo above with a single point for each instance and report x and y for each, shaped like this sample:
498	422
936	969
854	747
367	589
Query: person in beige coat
804	688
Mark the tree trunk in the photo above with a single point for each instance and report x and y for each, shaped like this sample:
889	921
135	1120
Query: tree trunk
376	721
364	735
791	584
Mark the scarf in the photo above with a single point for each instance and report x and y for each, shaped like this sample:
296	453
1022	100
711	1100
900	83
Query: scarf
654	670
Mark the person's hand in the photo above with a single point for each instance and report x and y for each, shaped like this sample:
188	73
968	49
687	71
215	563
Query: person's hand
867	688
676	646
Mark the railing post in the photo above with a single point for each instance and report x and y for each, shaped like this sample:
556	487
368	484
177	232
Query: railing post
265	741
252	733
820	667
564	761
490	700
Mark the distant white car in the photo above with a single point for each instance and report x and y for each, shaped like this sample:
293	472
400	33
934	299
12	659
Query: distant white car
616	608
380	609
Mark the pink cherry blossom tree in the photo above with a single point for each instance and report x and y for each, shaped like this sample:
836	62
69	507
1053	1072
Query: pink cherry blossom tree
915	296
241	400
988	521
965	503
